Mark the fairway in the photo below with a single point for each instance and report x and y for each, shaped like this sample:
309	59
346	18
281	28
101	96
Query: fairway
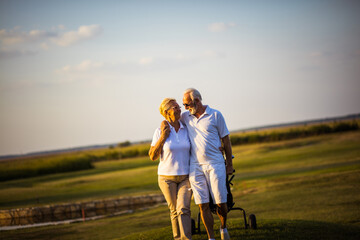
306	188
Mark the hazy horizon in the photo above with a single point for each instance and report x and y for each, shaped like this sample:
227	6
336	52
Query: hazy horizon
79	73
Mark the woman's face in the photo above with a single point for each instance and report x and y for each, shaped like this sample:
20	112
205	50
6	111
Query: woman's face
174	112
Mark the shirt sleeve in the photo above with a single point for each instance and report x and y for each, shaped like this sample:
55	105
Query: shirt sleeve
156	137
183	118
221	125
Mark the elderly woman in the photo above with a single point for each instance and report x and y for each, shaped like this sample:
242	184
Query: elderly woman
171	143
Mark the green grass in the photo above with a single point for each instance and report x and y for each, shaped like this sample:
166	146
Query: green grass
108	179
25	168
293	132
300	189
32	166
270	229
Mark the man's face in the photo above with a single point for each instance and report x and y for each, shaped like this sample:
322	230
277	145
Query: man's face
189	105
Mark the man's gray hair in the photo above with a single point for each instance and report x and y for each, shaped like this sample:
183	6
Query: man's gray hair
193	94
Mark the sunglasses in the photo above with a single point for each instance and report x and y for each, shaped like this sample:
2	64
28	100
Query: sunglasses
187	105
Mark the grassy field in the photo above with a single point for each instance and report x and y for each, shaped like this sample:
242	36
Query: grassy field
306	188
49	163
107	179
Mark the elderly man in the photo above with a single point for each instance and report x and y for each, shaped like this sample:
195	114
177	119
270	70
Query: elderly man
207	129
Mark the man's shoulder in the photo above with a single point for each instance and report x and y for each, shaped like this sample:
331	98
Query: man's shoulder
210	110
185	117
184	114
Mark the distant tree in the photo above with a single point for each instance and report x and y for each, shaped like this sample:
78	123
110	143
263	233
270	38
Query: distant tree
124	144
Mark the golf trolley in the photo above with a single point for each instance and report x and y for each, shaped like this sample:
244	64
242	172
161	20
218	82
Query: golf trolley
251	223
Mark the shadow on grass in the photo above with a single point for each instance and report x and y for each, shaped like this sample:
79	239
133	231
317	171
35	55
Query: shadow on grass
111	229
268	229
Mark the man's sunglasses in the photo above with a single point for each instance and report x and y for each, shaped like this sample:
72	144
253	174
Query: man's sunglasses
187	105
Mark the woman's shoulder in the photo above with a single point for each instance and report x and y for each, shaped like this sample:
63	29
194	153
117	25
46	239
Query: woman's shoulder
157	132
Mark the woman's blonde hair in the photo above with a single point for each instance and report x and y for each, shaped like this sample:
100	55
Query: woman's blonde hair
165	105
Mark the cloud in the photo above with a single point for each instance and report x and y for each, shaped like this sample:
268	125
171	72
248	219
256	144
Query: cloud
146	61
16	53
82	34
220	26
61	27
13	37
317	54
15	43
44	46
213	54
89	69
85	66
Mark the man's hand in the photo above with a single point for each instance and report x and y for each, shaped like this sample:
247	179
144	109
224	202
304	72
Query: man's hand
228	155
229	170
221	150
165	129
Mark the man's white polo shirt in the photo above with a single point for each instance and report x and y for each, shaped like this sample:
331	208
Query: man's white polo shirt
175	156
205	135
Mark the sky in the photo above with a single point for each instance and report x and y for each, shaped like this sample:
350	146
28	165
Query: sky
79	73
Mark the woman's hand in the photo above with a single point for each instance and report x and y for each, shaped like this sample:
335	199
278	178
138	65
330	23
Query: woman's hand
165	129
155	151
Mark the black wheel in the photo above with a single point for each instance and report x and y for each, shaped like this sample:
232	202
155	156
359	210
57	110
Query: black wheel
252	221
193	227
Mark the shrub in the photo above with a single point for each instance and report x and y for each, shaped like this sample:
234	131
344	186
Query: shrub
342	126
112	155
40	166
236	140
293	133
129	153
320	129
124	144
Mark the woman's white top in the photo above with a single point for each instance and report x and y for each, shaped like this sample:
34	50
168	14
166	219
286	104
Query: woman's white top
175	155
